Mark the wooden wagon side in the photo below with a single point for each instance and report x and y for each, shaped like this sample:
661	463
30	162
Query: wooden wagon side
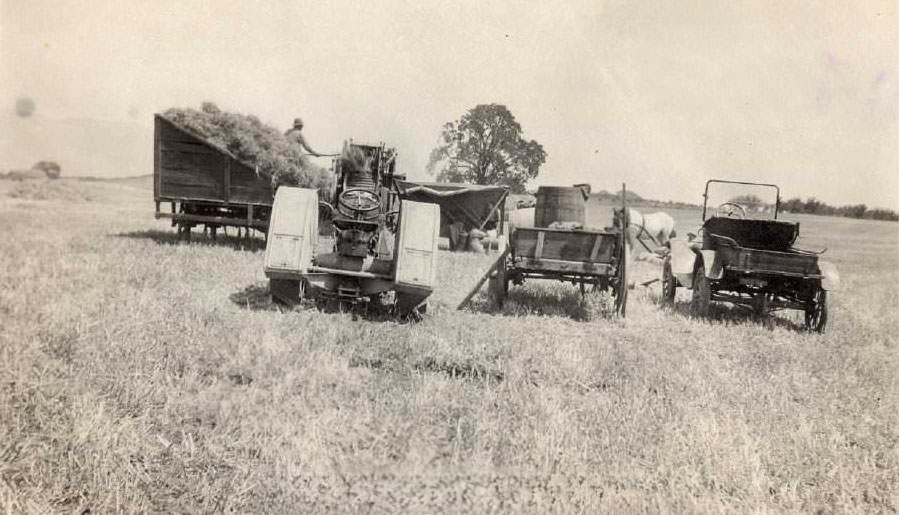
585	257
551	252
204	183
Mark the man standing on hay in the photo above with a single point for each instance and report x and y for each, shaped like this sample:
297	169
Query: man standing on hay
295	135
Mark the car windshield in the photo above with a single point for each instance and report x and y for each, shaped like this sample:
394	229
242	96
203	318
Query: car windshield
755	201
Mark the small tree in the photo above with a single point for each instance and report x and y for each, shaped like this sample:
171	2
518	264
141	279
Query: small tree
485	146
50	168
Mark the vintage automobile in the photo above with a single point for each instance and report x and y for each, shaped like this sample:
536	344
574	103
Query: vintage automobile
744	255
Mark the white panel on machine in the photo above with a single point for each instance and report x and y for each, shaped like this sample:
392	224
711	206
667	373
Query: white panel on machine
416	257
292	230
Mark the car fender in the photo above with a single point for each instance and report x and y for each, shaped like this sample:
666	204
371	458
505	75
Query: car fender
831	280
683	261
713	266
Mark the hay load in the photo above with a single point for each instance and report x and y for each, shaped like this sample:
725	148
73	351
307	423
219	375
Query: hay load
250	140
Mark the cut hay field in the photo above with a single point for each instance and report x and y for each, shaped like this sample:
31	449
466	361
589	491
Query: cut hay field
139	374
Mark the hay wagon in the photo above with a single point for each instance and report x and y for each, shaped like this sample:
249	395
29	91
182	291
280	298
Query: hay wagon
205	184
744	255
583	256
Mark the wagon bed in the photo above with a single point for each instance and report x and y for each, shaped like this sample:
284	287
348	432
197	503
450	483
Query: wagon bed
205	183
588	252
790	263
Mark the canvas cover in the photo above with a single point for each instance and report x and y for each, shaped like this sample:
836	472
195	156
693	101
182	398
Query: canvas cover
472	205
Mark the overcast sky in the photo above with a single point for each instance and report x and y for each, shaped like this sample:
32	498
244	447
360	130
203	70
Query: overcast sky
660	94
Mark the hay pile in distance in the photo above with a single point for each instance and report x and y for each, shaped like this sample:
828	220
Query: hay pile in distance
250	140
49	189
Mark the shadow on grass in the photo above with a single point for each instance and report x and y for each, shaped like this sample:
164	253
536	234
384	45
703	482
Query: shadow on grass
463	370
725	312
565	301
252	244
258	297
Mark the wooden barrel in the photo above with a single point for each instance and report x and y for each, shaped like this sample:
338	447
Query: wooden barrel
559	204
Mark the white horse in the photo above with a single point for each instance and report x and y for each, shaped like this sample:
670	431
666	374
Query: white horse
656	227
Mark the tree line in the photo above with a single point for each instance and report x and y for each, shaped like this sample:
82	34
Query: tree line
487	146
813	206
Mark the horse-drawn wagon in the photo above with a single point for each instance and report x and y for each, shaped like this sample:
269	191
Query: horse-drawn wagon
744	255
564	251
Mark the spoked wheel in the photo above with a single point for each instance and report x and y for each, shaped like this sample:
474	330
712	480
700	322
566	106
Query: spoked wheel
499	286
816	312
288	292
702	293
669	282
184	232
619	286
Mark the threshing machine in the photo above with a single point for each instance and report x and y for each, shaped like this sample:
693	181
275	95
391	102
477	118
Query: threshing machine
384	250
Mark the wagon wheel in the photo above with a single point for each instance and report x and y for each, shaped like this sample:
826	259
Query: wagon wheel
702	293
184	231
288	292
669	282
816	312
619	286
498	287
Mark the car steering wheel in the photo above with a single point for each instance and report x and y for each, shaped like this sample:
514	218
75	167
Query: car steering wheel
359	199
731	210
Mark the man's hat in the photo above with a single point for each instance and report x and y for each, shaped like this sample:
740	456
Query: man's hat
297	121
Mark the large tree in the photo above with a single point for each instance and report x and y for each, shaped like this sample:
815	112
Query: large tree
485	146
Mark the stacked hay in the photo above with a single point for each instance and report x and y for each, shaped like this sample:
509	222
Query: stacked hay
250	140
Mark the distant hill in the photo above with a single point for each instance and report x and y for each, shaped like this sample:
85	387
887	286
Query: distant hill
607	197
633	198
136	181
604	195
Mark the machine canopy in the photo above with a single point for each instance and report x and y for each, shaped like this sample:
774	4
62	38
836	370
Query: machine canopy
472	205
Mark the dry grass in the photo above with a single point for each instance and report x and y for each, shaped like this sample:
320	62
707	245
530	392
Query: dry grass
139	374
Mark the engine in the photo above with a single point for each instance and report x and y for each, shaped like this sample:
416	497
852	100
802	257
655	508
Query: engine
364	197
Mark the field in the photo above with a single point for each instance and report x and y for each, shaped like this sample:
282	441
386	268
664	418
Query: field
140	374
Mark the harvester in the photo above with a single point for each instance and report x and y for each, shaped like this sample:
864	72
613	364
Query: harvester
384	248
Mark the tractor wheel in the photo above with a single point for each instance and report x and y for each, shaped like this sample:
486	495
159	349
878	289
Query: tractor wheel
288	292
702	293
410	308
761	307
816	312
669	282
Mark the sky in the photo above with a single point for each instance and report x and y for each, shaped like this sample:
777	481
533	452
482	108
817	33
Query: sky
660	95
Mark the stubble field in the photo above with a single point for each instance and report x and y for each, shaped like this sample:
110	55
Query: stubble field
140	374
